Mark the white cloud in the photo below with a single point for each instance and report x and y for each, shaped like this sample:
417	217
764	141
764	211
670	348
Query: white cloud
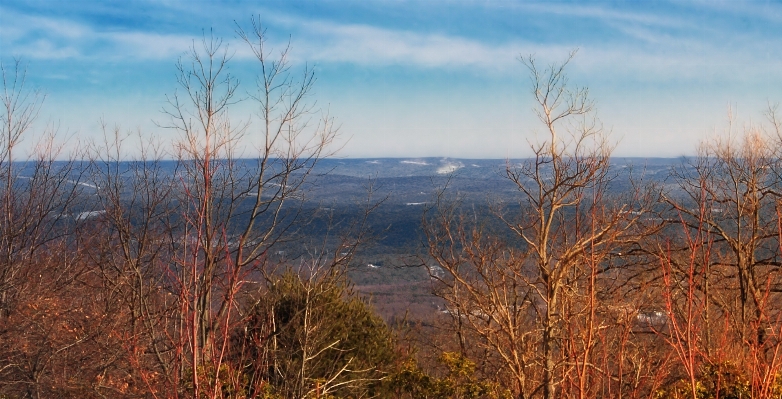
665	46
368	45
655	44
324	41
45	38
602	13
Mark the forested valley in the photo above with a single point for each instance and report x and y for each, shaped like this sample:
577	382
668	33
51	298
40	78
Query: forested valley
190	271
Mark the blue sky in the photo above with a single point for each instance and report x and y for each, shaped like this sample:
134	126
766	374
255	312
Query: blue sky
419	78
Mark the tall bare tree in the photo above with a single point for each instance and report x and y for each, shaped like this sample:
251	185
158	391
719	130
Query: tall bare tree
234	212
728	200
734	176
519	297
38	212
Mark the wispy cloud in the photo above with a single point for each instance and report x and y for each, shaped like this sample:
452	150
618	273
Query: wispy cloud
367	45
604	13
362	44
654	44
42	38
648	42
49	38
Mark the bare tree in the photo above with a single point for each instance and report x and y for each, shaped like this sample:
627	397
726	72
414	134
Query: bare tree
39	214
528	295
234	212
734	176
20	109
134	198
728	201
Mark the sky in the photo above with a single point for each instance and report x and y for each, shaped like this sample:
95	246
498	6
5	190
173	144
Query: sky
416	78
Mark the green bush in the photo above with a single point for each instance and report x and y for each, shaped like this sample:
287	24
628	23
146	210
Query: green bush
313	336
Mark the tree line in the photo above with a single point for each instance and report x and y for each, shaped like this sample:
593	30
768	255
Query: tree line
120	277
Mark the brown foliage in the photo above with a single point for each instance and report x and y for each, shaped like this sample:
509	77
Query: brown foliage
141	283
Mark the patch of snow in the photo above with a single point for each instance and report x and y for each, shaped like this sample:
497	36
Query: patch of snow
436	271
83	184
87	215
415	203
415	162
449	168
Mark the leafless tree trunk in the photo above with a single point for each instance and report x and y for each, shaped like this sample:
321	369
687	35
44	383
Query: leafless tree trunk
234	212
39	215
730	201
133	197
567	230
